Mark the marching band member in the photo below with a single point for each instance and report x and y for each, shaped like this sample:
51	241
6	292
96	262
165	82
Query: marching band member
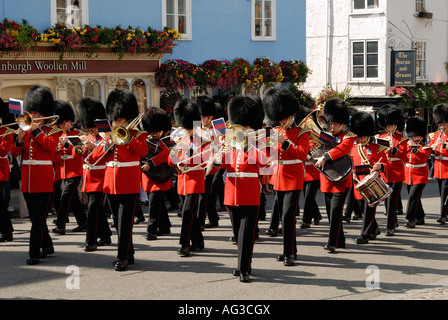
68	168
37	147
191	182
336	115
367	157
390	118
158	124
207	206
280	105
6	142
90	109
242	186
438	142
416	171
122	176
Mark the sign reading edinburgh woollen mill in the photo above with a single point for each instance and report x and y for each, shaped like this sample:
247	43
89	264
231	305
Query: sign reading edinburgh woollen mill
403	68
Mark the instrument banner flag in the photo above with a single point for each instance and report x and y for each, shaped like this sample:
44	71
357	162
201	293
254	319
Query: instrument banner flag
219	125
326	138
15	106
102	125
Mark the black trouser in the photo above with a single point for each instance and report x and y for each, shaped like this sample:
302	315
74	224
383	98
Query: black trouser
334	203
369	224
443	192
97	225
414	210
207	203
158	215
190	229
38	205
392	204
70	200
6	227
123	208
275	215
244	222
352	205
288	202
310	207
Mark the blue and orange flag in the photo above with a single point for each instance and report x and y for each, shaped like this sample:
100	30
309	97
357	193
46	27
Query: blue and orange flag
15	106
219	125
102	125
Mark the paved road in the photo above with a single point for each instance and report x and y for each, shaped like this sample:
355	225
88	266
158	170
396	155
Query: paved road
410	265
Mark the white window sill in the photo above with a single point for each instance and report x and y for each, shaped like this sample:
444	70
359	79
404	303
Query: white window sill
364	81
366	11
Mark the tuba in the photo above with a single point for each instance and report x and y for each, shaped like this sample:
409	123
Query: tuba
336	170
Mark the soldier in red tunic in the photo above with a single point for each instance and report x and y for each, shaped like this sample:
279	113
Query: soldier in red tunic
90	109
37	146
291	150
416	169
438	143
6	142
390	118
336	115
191	178
68	168
122	178
367	157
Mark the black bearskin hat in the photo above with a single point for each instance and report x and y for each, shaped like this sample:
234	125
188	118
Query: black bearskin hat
440	113
90	109
362	124
64	111
336	110
185	112
416	126
390	114
279	103
301	114
4	109
155	120
121	103
246	111
221	112
206	106
40	99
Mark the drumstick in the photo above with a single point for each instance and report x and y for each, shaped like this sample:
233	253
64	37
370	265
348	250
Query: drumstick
377	163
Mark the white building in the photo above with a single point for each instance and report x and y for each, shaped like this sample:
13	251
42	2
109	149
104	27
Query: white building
349	42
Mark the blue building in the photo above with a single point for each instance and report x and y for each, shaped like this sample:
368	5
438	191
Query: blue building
211	29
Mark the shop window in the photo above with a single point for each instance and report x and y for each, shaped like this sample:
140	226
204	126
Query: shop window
74	95
122	84
139	90
92	89
72	13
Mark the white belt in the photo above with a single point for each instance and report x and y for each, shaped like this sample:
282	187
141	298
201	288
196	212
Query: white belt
66	156
281	162
87	167
410	165
394	159
116	164
193	169
242	174
37	162
441	158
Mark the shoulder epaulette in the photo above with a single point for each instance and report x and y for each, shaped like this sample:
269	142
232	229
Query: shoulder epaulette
382	148
139	133
431	135
302	131
426	146
54	130
350	135
403	139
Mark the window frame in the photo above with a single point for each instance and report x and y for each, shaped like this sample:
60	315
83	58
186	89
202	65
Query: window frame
365	65
84	7
420	5
273	37
366	7
420	56
188	16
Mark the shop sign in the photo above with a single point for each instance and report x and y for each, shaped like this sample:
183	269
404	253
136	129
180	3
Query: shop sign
403	68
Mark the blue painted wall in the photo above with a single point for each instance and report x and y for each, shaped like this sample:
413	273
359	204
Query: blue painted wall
221	28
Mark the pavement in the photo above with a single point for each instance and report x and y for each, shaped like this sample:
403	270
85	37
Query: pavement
412	265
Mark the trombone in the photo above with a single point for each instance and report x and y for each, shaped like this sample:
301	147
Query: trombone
25	120
119	135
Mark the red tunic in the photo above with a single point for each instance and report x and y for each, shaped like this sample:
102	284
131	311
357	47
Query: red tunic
396	158
344	146
6	144
93	176
289	170
123	174
68	163
438	144
416	167
37	159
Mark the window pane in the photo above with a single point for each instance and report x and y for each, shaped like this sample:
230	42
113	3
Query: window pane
170	6
371	4
258	5
139	90
358	47
372	47
181	8
182	24
372	59
267	9
358	60
122	84
170	22
268	31
372	72
258	27
69	13
93	89
359	4
358	72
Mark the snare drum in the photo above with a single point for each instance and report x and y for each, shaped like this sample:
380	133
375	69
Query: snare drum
373	189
